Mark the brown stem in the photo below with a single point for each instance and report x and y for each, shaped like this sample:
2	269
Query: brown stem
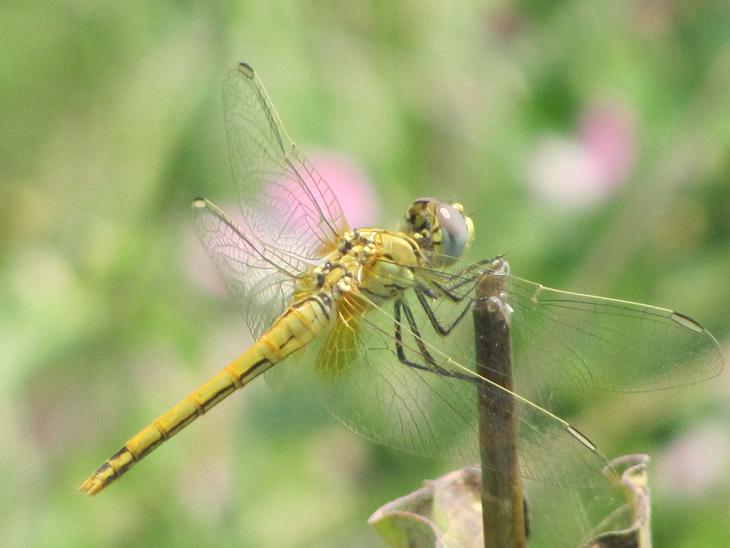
503	515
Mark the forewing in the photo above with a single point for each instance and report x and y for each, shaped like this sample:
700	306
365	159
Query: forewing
283	198
582	341
570	340
261	278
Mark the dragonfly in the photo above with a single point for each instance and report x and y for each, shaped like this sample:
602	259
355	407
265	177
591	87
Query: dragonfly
379	319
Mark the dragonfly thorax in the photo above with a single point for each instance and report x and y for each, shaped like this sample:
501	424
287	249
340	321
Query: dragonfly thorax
377	263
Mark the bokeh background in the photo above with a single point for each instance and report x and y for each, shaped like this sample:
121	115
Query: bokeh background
589	140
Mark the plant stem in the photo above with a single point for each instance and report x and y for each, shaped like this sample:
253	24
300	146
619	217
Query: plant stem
503	514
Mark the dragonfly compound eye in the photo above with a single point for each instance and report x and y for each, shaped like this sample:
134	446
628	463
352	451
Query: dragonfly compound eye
456	229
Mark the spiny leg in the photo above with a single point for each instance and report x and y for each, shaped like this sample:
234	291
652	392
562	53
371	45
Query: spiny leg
432	366
399	348
435	322
457	280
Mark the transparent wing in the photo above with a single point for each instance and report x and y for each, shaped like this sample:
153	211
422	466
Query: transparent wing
582	341
569	340
560	339
261	278
363	383
283	199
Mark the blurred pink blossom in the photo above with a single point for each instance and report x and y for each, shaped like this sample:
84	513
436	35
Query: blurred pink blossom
608	133
350	184
288	214
586	168
344	176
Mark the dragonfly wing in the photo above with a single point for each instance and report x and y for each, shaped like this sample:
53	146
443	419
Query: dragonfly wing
261	278
283	198
363	382
364	385
571	340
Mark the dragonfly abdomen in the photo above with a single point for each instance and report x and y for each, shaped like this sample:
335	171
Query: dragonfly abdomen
296	327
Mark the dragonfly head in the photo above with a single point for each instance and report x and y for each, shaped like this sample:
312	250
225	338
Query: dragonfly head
441	228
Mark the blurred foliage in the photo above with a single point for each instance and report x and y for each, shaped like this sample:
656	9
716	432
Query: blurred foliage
112	124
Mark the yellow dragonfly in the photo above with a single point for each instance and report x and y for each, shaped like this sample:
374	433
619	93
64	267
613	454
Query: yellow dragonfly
381	317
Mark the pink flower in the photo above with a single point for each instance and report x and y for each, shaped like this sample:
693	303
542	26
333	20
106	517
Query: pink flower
608	133
586	168
350	184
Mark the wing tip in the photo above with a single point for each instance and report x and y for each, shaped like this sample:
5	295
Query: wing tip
582	438
686	321
246	69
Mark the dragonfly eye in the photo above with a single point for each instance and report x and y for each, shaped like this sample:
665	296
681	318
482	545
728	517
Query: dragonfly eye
457	231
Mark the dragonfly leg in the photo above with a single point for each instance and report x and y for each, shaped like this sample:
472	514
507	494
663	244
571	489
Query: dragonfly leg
457	280
399	348
451	291
431	364
437	325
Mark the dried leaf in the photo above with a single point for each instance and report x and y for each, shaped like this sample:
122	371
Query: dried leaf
446	512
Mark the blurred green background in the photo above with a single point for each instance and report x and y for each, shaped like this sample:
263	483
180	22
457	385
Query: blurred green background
590	142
